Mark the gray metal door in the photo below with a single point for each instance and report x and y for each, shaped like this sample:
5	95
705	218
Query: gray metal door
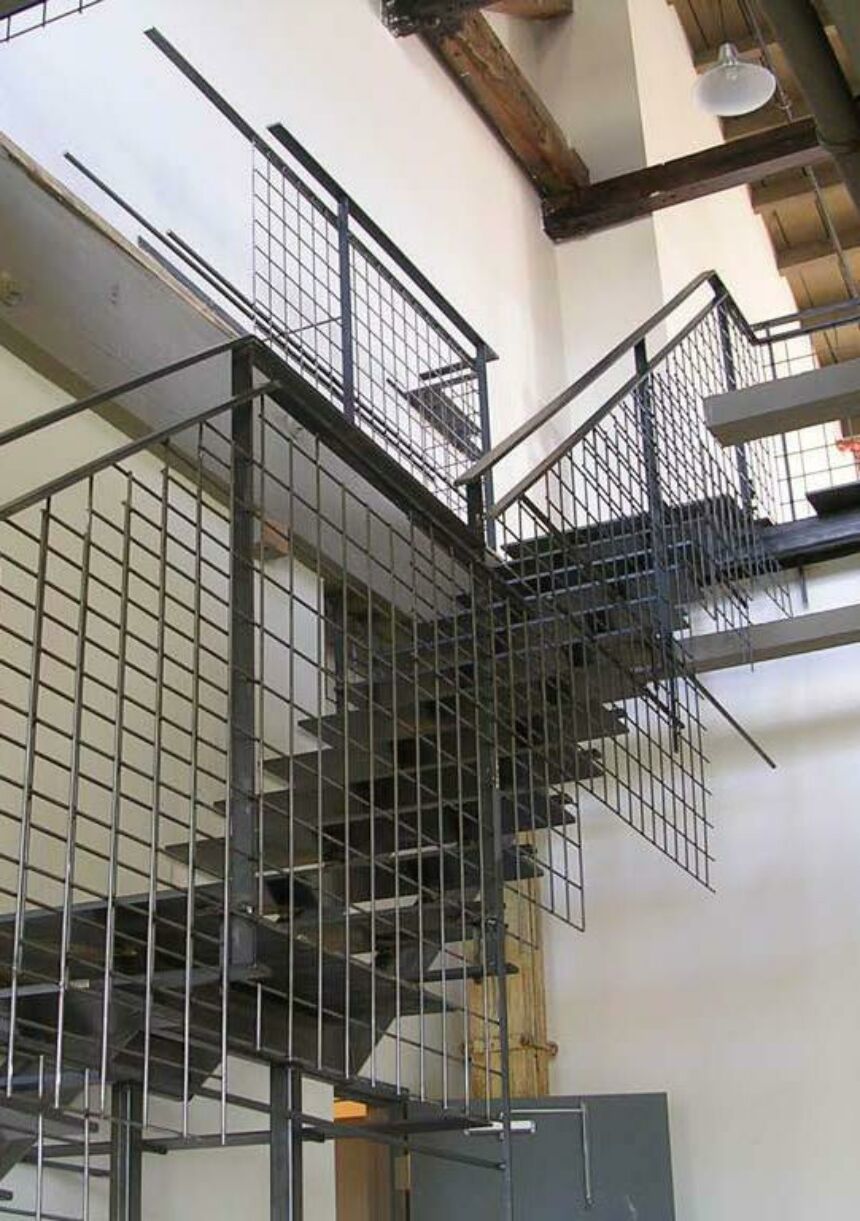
599	1158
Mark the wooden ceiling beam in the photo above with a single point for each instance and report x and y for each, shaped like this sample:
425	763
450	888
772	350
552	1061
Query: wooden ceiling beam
533	10
485	71
629	196
808	254
419	16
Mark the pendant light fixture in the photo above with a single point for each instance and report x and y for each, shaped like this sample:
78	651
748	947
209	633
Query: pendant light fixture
732	86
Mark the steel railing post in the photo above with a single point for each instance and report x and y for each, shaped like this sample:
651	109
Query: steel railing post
241	880
659	544
126	1152
486	441
346	302
286	1181
730	373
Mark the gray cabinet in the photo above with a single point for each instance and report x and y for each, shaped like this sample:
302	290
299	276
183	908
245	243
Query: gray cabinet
600	1158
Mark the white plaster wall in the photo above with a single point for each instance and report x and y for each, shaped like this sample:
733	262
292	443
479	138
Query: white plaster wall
742	1004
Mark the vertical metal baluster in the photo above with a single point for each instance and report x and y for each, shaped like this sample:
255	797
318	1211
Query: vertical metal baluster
482	774
291	747
126	1152
347	864
655	515
346	301
194	733
116	788
374	1033
321	670
486	441
40	1141
398	911
419	812
28	776
74	791
85	1183
157	744
440	825
242	833
260	766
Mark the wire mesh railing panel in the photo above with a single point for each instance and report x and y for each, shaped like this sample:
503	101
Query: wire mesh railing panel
24	16
607	578
272	748
625	532
720	496
328	290
341	310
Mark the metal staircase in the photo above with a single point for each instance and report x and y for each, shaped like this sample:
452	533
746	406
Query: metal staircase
279	741
289	701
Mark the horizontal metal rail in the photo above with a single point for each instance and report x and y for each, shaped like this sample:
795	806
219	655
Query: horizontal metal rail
153	439
552	408
69	410
582	431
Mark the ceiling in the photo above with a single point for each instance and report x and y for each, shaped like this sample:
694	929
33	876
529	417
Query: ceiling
807	226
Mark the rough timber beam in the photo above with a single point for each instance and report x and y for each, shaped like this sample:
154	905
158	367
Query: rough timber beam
415	16
487	74
533	10
616	200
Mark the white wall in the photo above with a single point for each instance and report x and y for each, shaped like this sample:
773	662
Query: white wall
741	1004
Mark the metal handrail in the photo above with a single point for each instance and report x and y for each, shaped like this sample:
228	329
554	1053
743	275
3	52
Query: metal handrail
69	410
546	413
121	454
759	334
582	430
810	321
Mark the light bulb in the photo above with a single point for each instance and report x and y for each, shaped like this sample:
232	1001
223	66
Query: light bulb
732	86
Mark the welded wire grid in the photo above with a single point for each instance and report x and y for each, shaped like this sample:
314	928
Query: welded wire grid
604	576
640	521
340	310
244	705
718	497
25	17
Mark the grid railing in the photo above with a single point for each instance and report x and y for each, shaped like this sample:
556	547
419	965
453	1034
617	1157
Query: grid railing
333	295
19	17
274	742
627	530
